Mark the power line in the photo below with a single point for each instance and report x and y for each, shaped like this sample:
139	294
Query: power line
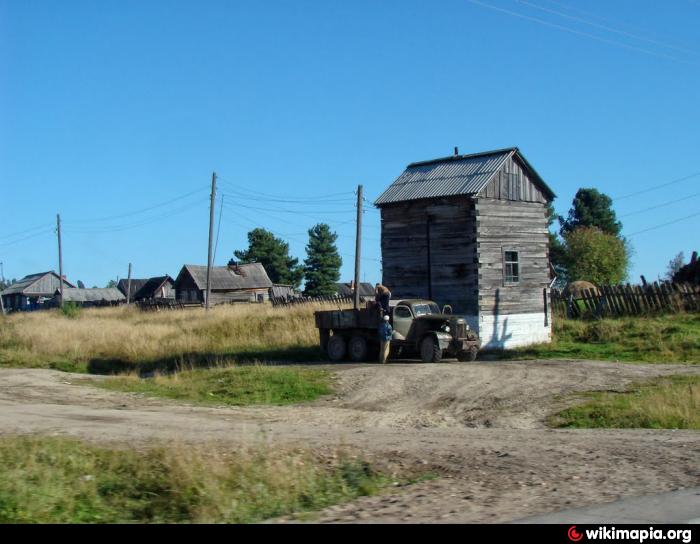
129	214
305	198
653	188
606	27
118	228
45	225
579	32
665	224
218	229
660	205
47	231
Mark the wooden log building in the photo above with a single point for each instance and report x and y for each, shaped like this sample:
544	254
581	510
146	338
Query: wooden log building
471	231
232	283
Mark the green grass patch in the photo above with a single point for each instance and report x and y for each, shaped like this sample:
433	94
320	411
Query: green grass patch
663	339
51	480
671	402
234	386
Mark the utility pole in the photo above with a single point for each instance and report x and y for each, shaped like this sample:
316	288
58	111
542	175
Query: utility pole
2	276
60	256
211	237
128	287
358	247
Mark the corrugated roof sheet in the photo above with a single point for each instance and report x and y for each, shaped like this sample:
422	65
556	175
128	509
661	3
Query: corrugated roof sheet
451	176
102	294
250	276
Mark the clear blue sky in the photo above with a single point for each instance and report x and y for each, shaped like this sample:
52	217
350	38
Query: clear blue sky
109	108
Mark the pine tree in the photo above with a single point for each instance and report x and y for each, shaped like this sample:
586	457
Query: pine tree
323	262
273	254
591	208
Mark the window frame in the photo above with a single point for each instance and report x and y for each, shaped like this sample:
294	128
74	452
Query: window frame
507	262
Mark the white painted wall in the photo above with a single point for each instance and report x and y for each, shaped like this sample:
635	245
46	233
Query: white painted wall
511	331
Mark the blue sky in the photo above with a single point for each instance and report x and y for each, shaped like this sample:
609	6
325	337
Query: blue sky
115	114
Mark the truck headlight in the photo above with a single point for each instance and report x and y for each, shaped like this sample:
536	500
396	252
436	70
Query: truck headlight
446	328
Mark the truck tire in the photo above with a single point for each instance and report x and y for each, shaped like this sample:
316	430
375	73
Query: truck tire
430	351
357	349
467	355
337	348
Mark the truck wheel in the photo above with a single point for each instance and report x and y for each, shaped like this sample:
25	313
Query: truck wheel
430	350
467	355
357	348
336	348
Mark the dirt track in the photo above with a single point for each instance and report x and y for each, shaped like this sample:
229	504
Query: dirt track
480	425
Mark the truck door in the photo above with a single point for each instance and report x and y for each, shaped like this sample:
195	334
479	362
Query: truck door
403	318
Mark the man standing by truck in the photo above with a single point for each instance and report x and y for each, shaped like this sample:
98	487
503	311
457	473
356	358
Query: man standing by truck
385	332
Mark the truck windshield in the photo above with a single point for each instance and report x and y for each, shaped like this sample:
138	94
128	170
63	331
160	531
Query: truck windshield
425	309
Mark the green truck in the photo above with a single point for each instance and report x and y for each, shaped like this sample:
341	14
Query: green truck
420	329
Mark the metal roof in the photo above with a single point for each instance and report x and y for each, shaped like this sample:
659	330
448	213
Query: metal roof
223	278
451	176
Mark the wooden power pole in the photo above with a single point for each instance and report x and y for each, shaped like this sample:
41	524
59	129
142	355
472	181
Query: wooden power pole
358	247
60	257
2	276
128	287
211	237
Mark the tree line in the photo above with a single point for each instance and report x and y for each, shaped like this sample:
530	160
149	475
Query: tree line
320	271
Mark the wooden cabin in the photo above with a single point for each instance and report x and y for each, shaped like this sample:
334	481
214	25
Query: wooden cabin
471	231
232	283
88	298
32	292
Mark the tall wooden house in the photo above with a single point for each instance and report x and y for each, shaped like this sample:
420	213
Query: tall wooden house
471	231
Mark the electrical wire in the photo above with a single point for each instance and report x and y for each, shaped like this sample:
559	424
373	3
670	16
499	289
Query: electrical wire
44	226
579	32
13	242
660	205
665	224
143	210
655	187
606	27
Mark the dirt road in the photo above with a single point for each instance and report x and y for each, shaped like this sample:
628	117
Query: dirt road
480	425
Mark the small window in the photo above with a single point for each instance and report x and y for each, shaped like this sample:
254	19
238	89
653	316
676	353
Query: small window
402	311
511	266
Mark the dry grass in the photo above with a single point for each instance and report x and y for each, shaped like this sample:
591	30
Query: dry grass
126	336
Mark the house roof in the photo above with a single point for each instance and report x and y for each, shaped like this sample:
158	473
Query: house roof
25	284
136	285
103	294
151	286
223	278
452	176
345	290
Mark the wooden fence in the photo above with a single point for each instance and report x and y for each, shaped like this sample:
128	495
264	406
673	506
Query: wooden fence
334	300
628	300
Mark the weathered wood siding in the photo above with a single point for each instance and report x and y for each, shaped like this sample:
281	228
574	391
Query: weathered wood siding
513	183
511	225
46	285
437	231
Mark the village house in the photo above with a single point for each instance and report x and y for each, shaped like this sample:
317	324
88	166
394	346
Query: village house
157	288
231	283
471	231
32	292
